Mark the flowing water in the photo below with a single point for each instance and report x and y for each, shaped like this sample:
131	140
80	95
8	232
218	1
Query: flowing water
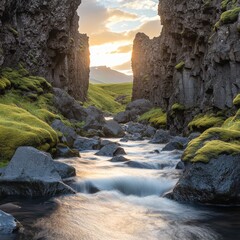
119	201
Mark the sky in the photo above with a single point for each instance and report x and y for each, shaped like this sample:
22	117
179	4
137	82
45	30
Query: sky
112	26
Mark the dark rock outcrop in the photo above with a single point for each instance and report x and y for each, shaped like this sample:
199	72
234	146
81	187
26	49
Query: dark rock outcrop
83	143
32	173
133	110
177	143
112	129
216	182
161	136
190	63
64	170
43	36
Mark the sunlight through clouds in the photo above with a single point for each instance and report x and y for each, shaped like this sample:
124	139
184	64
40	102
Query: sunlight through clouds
112	26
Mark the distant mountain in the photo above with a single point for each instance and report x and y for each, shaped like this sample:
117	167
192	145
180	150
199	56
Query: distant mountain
103	74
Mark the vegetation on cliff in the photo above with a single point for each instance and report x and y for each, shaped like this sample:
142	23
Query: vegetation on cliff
110	98
156	117
204	121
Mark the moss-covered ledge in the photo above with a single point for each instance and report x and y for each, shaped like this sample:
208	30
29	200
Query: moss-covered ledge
216	141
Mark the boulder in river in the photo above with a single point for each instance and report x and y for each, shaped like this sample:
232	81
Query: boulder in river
216	182
177	143
8	224
161	137
32	173
111	150
119	159
63	151
64	170
112	129
83	143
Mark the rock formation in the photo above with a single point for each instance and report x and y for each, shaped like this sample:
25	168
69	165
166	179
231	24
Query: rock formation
43	36
195	62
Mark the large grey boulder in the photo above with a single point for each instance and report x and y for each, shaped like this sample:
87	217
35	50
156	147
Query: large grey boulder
8	224
68	106
95	119
161	136
112	129
140	105
177	143
32	173
133	110
64	170
215	182
83	143
68	132
111	150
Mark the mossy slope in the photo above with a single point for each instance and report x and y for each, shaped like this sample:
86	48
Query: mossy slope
26	110
111	98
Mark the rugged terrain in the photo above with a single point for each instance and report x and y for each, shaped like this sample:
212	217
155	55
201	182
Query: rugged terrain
43	36
195	62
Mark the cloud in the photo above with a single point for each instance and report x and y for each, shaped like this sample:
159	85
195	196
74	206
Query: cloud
123	49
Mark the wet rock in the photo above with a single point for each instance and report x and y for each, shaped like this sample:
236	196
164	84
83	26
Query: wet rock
107	142
68	132
119	159
135	128
161	137
64	170
177	143
63	151
216	182
112	129
125	139
83	144
8	224
93	133
111	150
149	132
124	117
31	173
180	165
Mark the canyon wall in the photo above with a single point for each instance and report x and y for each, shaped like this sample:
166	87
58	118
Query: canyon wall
196	60
43	36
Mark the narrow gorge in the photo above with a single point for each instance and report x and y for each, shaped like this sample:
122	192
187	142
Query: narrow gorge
156	158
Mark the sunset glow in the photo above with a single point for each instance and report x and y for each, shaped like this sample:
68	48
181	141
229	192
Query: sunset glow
112	26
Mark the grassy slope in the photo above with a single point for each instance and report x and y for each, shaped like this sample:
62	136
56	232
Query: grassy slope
104	96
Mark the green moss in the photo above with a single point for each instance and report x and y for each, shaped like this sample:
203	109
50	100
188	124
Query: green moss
105	96
236	100
21	80
180	66
230	16
178	107
18	127
4	83
215	141
225	3
203	122
156	117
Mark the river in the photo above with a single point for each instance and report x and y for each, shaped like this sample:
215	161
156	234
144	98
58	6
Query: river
119	201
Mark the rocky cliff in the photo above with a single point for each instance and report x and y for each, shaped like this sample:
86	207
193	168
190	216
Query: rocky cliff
43	36
196	60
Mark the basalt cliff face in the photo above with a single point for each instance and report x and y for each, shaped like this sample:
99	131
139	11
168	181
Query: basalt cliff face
194	62
43	36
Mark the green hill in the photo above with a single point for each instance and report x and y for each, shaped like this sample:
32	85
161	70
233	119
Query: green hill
111	98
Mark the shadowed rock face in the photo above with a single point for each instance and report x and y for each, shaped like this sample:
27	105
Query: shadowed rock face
209	76
44	37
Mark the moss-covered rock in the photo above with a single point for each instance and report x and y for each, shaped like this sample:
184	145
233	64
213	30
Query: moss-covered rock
205	121
236	100
177	107
180	65
20	128
215	142
156	117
